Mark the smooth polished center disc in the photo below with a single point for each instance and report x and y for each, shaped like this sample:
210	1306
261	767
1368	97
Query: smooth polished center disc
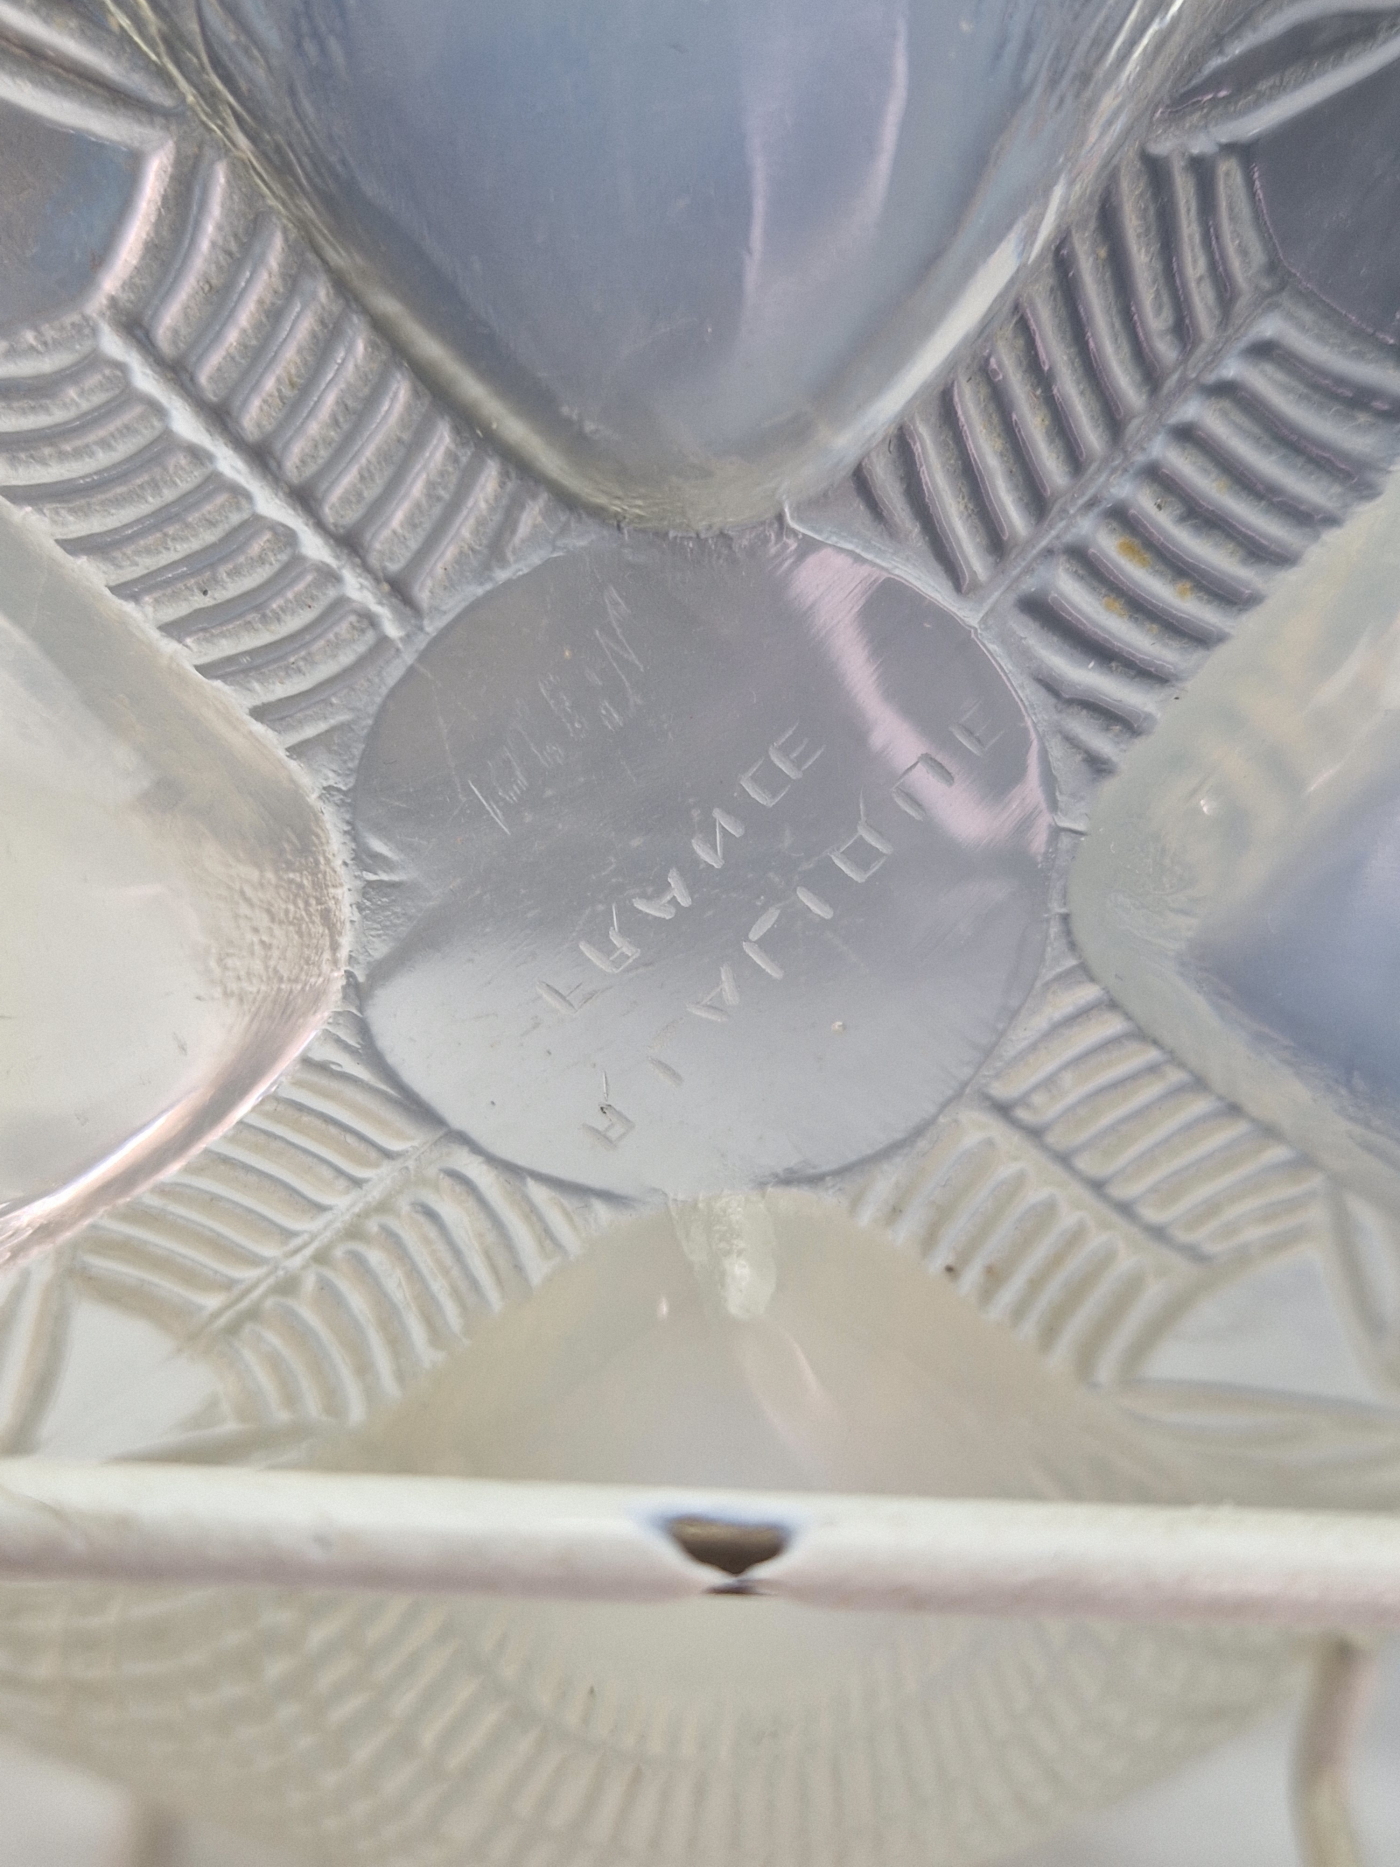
699	865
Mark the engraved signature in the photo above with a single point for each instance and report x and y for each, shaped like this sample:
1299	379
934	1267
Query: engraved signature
855	858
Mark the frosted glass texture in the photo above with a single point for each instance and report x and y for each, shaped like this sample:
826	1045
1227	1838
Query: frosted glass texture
650	839
173	918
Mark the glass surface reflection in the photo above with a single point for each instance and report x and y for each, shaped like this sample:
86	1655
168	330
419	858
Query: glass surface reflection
173	915
687	260
674	845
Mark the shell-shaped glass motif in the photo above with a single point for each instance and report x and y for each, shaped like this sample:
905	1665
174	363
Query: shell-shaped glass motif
619	631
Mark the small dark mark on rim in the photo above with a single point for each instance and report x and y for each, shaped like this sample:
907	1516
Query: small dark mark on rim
732	1548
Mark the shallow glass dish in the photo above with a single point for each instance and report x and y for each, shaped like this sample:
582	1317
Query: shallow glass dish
593	887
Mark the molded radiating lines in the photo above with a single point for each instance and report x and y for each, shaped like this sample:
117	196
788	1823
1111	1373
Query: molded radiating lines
1159	425
257	339
328	1249
1151	1140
